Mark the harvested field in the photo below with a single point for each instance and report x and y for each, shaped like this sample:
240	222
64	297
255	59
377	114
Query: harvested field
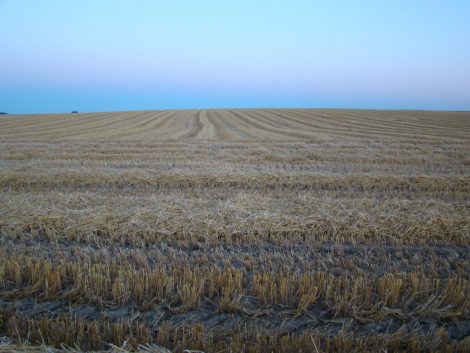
255	125
236	231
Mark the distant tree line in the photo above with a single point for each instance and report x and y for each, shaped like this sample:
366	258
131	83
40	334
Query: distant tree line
74	112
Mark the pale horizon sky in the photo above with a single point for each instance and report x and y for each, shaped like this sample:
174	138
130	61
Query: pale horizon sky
58	56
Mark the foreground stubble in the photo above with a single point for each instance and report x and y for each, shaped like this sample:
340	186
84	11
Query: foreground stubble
262	230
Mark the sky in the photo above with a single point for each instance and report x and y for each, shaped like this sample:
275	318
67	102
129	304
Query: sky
58	56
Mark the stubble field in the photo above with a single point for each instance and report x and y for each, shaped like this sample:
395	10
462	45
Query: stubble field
236	230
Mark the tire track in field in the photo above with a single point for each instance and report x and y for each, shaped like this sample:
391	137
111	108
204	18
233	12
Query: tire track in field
208	130
220	130
322	130
406	123
230	127
252	130
312	131
155	127
336	122
115	127
397	123
171	129
376	121
331	128
194	126
22	121
59	123
244	124
64	130
135	130
240	128
281	131
350	126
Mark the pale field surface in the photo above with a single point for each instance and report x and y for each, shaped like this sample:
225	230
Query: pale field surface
236	230
312	125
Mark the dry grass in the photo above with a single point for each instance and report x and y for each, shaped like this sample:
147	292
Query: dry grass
311	125
235	230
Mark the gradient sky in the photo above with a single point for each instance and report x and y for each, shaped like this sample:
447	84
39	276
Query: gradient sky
57	56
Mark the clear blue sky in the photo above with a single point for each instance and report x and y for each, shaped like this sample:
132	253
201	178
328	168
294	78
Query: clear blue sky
56	56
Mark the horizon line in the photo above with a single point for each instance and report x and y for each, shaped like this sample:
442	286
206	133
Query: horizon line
244	108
